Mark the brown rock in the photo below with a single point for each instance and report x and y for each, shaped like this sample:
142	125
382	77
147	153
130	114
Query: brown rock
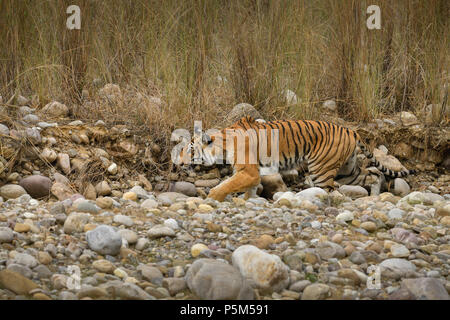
61	191
16	282
37	186
89	192
22	227
264	241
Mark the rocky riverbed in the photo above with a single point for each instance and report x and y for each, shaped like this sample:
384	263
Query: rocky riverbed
147	245
87	211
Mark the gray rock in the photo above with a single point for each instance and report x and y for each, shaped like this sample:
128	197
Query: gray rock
168	198
396	214
401	187
6	235
210	279
174	285
25	259
126	291
151	274
206	183
328	250
353	192
316	291
124	220
299	286
400	265
31	118
87	206
184	187
43	272
357	258
104	240
149	204
159	231
425	288
21	269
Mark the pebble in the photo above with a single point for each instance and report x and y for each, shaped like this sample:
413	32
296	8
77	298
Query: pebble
197	249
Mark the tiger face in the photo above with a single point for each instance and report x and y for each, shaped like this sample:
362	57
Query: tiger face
205	151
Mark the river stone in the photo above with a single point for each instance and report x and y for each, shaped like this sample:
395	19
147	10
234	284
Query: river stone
55	109
16	282
168	198
11	191
267	270
36	186
311	194
104	240
186	188
124	220
61	191
397	264
328	250
63	162
210	279
353	192
316	291
6	235
159	231
129	235
75	222
401	187
149	204
425	288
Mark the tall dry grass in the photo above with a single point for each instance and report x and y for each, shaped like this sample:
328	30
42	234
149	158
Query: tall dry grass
203	56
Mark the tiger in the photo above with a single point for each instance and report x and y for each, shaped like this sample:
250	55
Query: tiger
329	152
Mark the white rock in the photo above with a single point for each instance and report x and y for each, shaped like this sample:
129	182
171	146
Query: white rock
267	270
171	223
345	216
112	169
122	219
401	187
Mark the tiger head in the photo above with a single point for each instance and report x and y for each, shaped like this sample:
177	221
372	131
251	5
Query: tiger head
201	150
211	147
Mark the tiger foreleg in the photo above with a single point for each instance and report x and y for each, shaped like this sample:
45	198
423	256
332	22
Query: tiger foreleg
245	178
